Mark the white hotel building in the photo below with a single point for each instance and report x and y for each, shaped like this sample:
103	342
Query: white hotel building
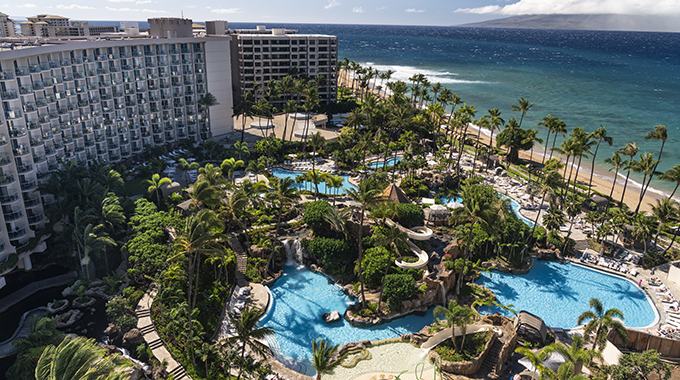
98	99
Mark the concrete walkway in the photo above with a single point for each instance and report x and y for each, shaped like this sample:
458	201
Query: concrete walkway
34	287
151	337
6	347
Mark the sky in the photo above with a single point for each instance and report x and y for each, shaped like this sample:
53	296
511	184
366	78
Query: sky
387	12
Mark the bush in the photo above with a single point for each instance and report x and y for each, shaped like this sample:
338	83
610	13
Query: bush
337	255
410	214
134	298
119	314
9	263
374	264
474	346
314	217
398	288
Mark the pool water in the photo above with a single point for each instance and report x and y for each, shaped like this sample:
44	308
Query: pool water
380	162
299	299
283	173
513	203
559	293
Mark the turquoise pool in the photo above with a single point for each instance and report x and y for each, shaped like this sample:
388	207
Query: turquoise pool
300	297
513	203
379	163
283	173
559	293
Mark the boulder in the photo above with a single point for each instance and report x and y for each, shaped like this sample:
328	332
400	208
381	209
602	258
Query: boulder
133	338
261	252
53	310
452	249
331	317
67	319
159	373
114	334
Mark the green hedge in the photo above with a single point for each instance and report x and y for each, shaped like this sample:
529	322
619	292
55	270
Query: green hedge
11	261
398	288
314	216
337	255
410	214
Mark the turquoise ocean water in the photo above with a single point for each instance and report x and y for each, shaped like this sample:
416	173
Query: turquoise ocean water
626	81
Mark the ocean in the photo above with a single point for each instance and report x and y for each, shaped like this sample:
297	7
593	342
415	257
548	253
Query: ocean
626	81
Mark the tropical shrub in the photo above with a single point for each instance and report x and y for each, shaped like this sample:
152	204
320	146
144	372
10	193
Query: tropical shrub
374	264
398	288
314	216
410	214
474	346
119	314
337	255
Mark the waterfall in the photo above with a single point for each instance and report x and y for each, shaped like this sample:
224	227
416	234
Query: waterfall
298	251
126	354
441	284
289	251
293	251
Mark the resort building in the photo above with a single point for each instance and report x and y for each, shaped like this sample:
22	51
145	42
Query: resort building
96	99
57	26
260	55
7	26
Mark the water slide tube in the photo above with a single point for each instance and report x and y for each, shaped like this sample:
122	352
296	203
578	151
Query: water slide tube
448	333
417	233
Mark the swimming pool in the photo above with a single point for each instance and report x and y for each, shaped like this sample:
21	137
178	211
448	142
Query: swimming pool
299	299
559	293
513	203
283	173
379	163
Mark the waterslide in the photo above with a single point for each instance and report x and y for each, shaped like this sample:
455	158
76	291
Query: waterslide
417	233
447	333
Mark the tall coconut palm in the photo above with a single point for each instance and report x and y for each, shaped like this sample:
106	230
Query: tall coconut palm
559	127
396	242
666	212
78	358
366	197
456	315
672	175
495	124
600	322
245	109
552	181
646	165
616	164
536	360
240	150
212	175
186	166
249	335
322	353
316	141
549	123
334	182
283	193
532	137
156	184
600	135
659	133
644	226
288	108
233	207
96	241
522	106
229	166
629	150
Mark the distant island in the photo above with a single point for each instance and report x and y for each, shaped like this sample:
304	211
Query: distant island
584	22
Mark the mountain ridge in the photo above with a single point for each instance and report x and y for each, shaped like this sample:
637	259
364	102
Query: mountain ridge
611	22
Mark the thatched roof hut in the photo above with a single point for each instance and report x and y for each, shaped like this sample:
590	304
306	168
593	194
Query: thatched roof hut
395	194
595	203
530	327
437	215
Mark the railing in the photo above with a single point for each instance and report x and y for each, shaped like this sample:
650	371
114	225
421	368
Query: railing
35	219
13	215
11	196
24	168
32	202
19	232
28	185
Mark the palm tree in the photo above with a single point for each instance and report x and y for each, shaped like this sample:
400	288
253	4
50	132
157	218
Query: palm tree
367	197
245	108
211	174
199	236
644	226
232	209
567	371
156	183
600	135
659	133
249	335
316	141
532	137
495	124
186	166
206	101
672	175
582	143
241	149
335	182
396	241
523	106
288	108
645	164
554	219
629	150
95	241
322	353
536	360
549	122
475	210
666	212
283	193
551	182
456	315
616	163
600	322
78	358
229	166
575	354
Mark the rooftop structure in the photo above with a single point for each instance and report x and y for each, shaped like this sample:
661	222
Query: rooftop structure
260	55
44	25
167	27
395	194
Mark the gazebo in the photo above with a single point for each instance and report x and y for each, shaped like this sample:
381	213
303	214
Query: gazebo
595	203
437	215
530	327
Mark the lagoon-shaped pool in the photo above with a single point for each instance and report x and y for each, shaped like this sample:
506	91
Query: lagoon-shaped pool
559	293
283	173
299	299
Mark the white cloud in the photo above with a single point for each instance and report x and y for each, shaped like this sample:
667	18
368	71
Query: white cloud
357	10
332	4
381	8
27	6
630	7
227	10
122	9
73	6
142	1
153	11
413	10
121	1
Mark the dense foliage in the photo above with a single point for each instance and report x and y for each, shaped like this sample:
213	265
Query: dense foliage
409	214
314	217
336	255
398	288
474	346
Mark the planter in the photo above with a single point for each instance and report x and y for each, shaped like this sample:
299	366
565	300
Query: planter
79	303
467	367
68	319
52	310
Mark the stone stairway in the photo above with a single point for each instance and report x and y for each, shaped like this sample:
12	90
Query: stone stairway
491	359
241	260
